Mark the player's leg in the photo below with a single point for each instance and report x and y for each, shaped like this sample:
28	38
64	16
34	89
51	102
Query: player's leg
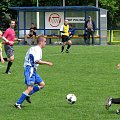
33	40
10	54
23	97
29	81
26	38
111	101
10	62
63	46
37	88
115	101
69	45
1	57
88	37
64	43
85	38
108	103
5	59
40	84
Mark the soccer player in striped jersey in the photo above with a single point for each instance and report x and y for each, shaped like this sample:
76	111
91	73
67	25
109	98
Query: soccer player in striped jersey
32	80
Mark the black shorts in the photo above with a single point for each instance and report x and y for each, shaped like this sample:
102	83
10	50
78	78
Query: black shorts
9	50
65	38
32	34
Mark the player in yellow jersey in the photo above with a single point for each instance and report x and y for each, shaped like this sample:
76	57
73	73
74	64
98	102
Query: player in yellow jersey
1	56
65	36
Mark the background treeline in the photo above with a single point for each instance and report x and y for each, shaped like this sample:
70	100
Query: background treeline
113	7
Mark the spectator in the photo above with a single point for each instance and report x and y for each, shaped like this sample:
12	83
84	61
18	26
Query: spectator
32	34
90	29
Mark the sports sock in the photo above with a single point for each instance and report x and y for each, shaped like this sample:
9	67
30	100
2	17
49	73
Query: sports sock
22	98
8	66
35	89
68	47
116	100
62	48
5	59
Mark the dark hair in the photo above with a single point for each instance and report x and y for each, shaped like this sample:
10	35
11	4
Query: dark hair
70	25
12	20
40	38
89	17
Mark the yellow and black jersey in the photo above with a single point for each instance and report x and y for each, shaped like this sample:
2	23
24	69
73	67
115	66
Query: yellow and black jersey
65	30
0	46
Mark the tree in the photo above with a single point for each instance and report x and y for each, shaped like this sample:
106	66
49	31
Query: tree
112	6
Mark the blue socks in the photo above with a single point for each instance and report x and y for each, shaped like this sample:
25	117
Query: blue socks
22	98
35	89
24	95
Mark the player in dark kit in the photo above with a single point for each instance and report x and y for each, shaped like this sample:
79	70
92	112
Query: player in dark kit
111	100
65	36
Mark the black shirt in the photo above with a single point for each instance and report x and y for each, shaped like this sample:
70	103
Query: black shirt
32	32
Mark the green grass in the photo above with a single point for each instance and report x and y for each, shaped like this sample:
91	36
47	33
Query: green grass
87	71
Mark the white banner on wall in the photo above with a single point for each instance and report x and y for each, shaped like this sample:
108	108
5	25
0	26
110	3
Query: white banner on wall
54	20
76	19
102	15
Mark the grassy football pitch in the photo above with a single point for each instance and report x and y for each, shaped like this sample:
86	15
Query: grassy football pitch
87	71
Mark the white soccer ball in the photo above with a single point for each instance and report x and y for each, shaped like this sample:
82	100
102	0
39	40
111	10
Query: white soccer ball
71	98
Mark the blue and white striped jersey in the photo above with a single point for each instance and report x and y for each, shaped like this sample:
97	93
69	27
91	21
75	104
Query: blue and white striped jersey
33	54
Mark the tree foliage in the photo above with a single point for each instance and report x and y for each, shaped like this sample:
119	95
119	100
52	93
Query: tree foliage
113	6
